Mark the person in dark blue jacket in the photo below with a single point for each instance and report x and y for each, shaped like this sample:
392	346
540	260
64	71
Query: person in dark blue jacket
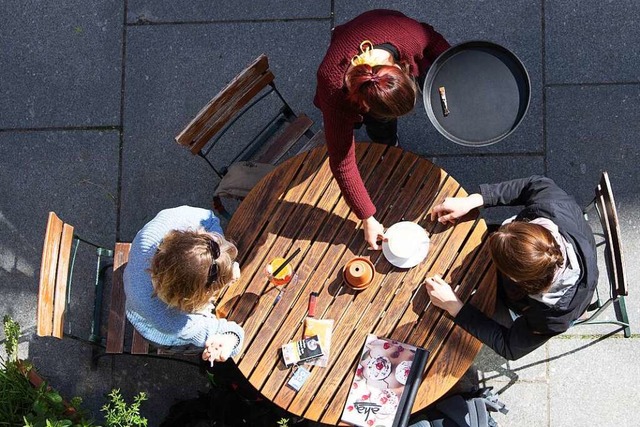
546	262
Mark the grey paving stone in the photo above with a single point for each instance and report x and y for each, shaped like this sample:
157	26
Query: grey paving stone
164	382
172	71
591	129
515	25
66	366
493	368
595	384
72	173
471	171
592	41
146	11
527	403
61	64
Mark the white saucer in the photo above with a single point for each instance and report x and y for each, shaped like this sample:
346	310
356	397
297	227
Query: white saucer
421	251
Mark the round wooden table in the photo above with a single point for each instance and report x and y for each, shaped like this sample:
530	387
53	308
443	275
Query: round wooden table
299	205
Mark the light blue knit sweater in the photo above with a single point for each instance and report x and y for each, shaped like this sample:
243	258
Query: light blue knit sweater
154	319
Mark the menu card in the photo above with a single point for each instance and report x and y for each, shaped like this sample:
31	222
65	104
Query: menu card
385	383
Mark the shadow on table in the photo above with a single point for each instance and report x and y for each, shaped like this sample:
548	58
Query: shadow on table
243	304
299	222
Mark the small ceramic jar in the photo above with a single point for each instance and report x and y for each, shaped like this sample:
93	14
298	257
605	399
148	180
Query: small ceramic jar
358	273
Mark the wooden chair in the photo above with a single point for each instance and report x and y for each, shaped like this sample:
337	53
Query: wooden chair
279	134
605	207
59	252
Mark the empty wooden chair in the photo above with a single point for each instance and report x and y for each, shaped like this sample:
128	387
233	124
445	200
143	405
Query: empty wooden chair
117	336
604	205
271	138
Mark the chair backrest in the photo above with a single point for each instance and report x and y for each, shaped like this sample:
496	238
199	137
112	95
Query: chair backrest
240	95
606	207
54	273
58	254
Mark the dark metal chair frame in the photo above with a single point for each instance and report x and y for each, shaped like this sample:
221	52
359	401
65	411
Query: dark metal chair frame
59	253
605	207
270	143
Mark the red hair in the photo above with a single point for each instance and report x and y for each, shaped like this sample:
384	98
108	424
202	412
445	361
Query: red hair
384	91
527	253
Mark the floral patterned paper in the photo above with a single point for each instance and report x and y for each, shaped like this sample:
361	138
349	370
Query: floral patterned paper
379	382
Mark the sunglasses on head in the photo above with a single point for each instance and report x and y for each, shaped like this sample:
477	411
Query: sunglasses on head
214	249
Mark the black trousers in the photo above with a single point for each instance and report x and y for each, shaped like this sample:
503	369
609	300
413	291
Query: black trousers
381	131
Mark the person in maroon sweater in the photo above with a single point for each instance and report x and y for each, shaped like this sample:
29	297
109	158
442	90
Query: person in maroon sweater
368	75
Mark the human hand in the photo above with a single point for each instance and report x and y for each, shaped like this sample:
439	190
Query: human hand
373	232
219	347
454	207
235	271
442	295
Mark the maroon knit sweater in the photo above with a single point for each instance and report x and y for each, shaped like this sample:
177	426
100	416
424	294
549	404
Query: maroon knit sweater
418	45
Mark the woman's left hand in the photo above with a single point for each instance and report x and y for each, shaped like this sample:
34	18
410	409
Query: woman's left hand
442	295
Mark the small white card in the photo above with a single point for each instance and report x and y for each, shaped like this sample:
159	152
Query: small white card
298	379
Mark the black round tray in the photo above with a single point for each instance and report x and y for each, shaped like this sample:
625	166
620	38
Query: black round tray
487	90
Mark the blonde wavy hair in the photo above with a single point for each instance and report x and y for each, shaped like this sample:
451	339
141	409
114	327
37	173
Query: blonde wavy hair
190	267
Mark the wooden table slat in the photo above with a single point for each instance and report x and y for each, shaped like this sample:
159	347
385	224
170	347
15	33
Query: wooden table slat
457	340
327	397
277	382
250	217
237	231
276	247
472	266
304	270
317	280
367	322
299	206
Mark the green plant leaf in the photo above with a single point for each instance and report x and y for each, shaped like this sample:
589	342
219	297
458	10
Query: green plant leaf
54	396
39	407
12	333
120	414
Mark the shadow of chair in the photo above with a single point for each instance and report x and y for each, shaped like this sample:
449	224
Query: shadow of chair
113	337
604	205
271	138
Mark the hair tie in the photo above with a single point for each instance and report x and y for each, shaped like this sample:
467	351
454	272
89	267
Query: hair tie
364	57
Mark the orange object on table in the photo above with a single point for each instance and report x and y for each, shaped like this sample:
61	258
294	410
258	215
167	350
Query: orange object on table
284	276
299	205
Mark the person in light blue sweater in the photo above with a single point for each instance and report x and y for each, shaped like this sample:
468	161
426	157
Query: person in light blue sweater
178	262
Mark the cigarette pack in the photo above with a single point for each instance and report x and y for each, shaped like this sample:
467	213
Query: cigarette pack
301	351
298	379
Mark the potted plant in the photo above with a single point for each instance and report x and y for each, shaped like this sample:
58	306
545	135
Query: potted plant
28	401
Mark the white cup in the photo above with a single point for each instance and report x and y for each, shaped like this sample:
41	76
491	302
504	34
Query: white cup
402	243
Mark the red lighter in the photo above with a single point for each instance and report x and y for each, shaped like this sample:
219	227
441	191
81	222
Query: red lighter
311	311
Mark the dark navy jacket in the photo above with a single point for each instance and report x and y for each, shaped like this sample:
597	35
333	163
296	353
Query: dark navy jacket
541	197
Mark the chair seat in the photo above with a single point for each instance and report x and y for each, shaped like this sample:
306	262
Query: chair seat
241	178
264	137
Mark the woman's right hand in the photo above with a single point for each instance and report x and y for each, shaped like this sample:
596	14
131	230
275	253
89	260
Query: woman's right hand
219	347
373	232
455	207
